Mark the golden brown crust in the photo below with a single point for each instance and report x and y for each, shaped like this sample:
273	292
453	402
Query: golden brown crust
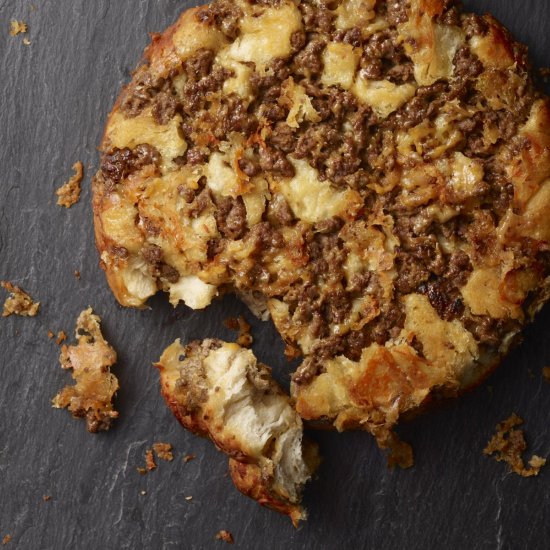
375	175
95	386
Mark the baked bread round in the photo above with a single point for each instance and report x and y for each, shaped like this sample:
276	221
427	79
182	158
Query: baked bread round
375	175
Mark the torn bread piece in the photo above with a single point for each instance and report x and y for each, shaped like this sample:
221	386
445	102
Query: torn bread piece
90	360
18	302
219	390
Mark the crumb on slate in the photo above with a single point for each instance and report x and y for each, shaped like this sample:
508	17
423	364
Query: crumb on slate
164	451
149	460
91	396
189	498
61	337
69	193
546	373
18	302
46	498
508	444
6	539
544	73
239	323
141	471
226	536
51	335
18	27
188	458
143	493
26	41
77	274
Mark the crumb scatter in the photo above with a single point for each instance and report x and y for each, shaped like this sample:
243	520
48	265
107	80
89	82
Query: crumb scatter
18	27
150	463
239	323
164	451
226	536
508	444
18	302
6	539
69	193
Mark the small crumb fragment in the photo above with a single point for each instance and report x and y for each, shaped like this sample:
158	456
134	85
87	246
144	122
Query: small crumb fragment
69	193
6	539
188	458
18	302
61	337
141	471
546	373
77	274
149	460
18	27
508	444
26	41
400	452
46	498
189	498
95	386
51	335
143	493
226	536
244	338
164	451
545	73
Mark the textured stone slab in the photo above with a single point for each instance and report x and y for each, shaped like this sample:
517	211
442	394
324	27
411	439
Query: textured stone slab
54	96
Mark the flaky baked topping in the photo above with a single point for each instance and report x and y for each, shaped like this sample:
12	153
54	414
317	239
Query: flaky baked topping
374	174
95	386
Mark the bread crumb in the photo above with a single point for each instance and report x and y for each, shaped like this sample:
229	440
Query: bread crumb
26	41
149	460
546	373
18	302
164	451
188	458
226	536
6	539
508	444
46	498
141	471
244	338
545	73
18	27
189	498
77	274
51	335
95	386
61	337
143	493
69	193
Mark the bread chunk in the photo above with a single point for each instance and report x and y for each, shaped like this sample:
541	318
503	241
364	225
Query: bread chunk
373	175
220	391
95	386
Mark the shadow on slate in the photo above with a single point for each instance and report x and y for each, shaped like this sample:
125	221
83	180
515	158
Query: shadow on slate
54	97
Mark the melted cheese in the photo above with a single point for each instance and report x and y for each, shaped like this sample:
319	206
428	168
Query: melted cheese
340	63
265	35
130	132
383	96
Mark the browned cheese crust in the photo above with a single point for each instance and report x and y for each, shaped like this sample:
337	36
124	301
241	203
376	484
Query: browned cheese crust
375	175
218	390
95	386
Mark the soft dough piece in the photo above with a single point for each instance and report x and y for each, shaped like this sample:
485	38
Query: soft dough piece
219	390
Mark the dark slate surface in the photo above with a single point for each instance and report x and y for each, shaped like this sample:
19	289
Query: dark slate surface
54	96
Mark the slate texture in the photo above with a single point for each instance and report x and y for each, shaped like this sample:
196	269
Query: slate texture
54	96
